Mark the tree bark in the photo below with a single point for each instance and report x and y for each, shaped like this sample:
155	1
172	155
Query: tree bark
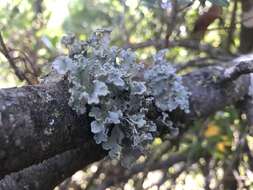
36	123
51	172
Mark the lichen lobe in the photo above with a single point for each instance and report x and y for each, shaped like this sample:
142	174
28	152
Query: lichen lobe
106	78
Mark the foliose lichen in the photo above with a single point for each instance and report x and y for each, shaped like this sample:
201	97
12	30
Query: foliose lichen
118	92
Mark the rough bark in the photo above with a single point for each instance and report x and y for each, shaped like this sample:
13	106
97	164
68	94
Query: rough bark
51	172
36	123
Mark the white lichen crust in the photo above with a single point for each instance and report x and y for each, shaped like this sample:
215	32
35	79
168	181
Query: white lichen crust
118	92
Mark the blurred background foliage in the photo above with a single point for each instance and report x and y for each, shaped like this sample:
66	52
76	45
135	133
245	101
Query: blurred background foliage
213	154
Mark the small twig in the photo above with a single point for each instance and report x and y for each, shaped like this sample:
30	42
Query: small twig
213	52
4	50
38	7
232	26
241	68
228	27
173	159
198	62
171	23
123	21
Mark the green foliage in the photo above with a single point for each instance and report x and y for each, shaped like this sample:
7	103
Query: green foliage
29	41
87	15
109	80
167	3
220	2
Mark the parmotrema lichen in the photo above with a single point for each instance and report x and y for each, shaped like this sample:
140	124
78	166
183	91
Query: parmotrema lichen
116	91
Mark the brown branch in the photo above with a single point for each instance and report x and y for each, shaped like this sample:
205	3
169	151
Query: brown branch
232	26
172	21
241	68
120	178
246	38
192	45
197	62
38	119
21	76
51	172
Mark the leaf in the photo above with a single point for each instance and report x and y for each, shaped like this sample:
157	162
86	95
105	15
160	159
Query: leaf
220	2
221	147
212	130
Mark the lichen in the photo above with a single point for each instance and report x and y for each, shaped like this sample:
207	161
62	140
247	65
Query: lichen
119	92
250	90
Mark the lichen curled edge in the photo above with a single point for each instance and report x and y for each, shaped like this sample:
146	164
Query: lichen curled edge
107	79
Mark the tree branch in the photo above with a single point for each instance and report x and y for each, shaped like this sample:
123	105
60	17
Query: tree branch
4	50
51	172
186	43
36	122
241	68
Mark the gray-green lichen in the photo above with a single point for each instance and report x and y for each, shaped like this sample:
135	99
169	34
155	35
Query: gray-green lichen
119	92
